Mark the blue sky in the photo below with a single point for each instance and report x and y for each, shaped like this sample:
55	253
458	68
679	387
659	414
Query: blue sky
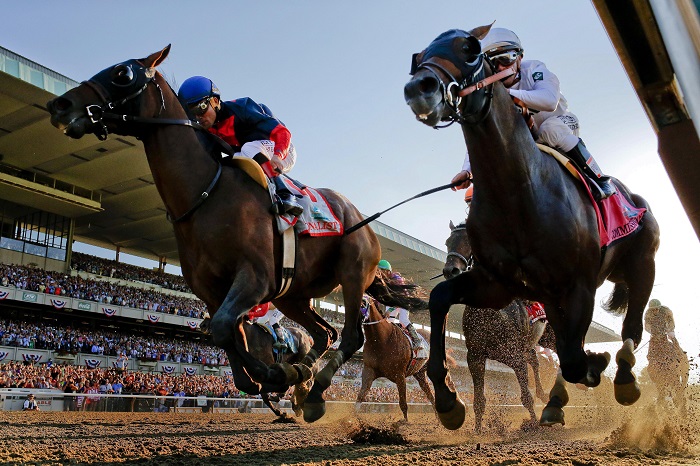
334	73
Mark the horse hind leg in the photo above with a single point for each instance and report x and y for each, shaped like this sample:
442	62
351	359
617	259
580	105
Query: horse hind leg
553	413
531	358
401	387
477	369
422	379
520	369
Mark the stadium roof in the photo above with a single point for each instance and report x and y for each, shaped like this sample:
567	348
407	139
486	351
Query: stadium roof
108	189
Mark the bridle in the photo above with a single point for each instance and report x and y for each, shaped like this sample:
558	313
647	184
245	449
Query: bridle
474	82
468	262
124	77
366	303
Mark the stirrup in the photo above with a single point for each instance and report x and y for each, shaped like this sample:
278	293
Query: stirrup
607	188
291	206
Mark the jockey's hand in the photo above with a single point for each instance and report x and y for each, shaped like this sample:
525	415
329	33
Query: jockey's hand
463	180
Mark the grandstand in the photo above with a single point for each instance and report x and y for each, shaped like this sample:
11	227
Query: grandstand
54	192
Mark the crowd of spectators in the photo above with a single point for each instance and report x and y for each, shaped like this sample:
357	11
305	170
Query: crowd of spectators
113	269
102	291
74	340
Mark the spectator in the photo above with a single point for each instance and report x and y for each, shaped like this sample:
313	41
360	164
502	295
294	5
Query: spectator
30	404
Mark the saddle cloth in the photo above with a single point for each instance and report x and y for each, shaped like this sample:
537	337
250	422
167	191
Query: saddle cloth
535	312
288	339
617	215
318	218
418	354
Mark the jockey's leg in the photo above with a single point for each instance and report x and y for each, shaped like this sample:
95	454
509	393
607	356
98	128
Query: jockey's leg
585	162
281	343
417	341
289	203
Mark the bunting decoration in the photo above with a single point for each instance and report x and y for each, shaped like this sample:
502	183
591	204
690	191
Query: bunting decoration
193	324
189	370
167	369
58	303
33	358
93	363
109	312
4	294
152	318
3	355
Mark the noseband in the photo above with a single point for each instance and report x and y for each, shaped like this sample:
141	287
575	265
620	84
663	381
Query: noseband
468	262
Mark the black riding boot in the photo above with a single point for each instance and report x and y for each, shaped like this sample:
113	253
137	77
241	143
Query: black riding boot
280	344
417	341
601	185
290	205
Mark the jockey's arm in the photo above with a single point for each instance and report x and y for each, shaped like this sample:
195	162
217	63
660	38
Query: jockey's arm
545	92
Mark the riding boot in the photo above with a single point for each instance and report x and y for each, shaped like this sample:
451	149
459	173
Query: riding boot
601	185
280	344
290	205
417	340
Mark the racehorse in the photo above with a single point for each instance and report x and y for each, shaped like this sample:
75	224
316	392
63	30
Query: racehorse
668	364
532	226
230	253
505	335
260	344
388	353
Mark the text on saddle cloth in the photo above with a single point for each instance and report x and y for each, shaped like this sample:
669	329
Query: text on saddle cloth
535	312
617	215
317	219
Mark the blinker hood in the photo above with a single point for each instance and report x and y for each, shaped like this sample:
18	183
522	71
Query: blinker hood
445	46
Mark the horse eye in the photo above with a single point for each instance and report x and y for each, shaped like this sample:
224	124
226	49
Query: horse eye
122	75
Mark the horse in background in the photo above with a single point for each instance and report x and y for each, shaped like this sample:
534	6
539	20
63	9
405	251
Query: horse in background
261	344
668	364
532	225
231	254
388	353
505	335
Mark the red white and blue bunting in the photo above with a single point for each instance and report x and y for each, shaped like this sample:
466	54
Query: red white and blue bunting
3	355
189	370
58	303
193	324
33	358
152	318
109	312
4	295
93	363
167	369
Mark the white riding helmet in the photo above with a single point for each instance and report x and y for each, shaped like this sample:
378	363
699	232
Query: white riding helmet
500	40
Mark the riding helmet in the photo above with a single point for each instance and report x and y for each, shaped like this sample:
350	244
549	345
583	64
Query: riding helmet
384	265
197	88
500	40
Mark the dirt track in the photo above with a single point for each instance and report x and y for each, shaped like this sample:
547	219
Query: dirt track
635	436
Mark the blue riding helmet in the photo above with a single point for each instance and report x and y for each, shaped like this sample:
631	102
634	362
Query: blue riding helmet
197	88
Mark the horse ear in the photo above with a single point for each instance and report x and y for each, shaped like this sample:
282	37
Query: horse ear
157	58
452	225
481	31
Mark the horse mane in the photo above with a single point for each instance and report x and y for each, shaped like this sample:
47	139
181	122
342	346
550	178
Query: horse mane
395	292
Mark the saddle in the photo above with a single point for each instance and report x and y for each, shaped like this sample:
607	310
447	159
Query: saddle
617	215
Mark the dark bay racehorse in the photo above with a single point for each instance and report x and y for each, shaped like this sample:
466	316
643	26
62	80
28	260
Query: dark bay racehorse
230	252
532	226
668	364
387	353
260	344
504	335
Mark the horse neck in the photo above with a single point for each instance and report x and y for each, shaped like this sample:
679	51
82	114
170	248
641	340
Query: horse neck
180	166
501	148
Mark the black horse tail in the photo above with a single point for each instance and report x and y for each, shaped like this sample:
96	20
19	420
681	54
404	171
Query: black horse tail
618	300
397	293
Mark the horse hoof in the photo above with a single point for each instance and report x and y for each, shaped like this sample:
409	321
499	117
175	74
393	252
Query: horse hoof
454	418
627	394
552	415
314	411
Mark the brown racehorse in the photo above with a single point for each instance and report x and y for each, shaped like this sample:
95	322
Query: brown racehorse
388	353
668	364
230	252
260	344
504	335
532	226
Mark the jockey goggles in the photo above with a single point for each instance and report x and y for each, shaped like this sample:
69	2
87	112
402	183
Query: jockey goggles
200	107
505	58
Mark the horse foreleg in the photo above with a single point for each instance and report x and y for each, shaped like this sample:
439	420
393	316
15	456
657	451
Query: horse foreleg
401	387
422	379
477	369
531	357
520	369
450	409
627	389
368	376
266	399
553	413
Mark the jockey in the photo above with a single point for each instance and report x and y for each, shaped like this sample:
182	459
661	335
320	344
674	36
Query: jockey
535	87
399	314
271	317
248	127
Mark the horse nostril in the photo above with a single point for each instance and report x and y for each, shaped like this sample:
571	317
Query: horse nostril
428	85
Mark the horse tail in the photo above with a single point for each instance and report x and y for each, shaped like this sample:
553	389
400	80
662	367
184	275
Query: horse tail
394	293
618	300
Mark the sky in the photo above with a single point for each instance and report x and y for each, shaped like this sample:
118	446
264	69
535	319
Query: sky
334	73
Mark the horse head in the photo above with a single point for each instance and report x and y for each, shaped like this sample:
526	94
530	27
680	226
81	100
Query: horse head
459	251
89	108
442	75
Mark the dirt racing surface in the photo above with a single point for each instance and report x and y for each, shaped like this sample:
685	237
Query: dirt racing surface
606	436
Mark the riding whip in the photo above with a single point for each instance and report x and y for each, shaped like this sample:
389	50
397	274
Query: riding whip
378	214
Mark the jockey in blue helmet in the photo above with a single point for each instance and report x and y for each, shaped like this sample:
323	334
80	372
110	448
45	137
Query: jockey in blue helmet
249	128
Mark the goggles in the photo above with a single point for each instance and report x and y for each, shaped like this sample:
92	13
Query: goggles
505	58
200	107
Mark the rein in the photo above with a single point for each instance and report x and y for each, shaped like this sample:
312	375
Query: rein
97	113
